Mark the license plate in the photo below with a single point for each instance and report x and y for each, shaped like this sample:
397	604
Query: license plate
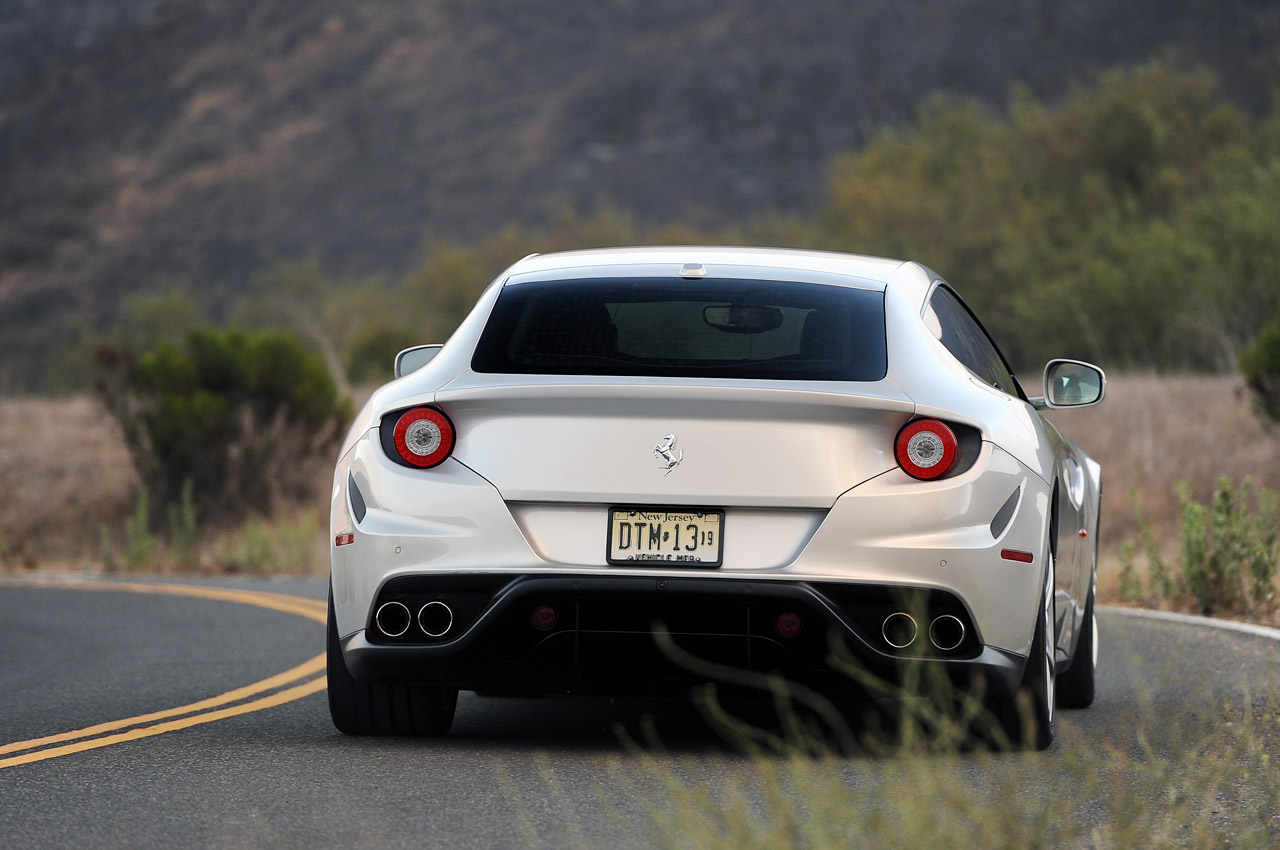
679	538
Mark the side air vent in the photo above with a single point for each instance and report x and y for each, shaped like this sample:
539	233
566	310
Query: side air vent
1001	520
357	499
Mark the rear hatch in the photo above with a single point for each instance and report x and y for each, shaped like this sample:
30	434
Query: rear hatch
664	391
673	441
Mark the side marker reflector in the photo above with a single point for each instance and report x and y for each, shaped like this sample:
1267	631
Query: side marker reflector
1016	555
344	539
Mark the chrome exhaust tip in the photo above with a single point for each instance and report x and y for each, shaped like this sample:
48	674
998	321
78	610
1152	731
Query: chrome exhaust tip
393	619
946	632
899	630
435	619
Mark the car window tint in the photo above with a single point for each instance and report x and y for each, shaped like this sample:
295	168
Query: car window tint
957	329
709	328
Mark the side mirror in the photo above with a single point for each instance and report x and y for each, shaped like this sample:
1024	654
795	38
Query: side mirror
413	359
1072	383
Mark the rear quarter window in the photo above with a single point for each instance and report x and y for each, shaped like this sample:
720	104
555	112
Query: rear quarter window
961	334
713	329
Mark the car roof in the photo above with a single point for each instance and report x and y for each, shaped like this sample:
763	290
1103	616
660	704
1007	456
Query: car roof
719	261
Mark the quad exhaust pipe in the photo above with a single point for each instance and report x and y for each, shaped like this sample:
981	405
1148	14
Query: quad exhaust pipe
393	619
435	619
899	630
946	632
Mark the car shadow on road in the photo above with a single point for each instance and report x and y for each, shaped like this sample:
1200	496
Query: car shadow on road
588	722
677	725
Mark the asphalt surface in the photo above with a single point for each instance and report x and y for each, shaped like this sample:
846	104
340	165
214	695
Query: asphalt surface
512	773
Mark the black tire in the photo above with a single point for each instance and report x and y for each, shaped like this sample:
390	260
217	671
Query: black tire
1076	686
1026	718
383	708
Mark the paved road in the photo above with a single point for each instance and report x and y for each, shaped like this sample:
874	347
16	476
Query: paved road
514	772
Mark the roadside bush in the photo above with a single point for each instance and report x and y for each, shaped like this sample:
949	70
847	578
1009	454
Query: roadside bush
140	545
1230	546
144	320
1132	221
1130	584
1159	577
246	417
1228	552
1260	365
184	534
373	351
284	545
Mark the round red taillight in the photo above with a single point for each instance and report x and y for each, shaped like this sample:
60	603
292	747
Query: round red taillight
927	449
789	624
424	437
543	618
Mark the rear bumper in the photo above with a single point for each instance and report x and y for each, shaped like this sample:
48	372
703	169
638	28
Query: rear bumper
610	633
890	530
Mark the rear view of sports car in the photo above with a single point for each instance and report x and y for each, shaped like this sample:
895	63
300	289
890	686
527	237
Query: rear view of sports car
750	452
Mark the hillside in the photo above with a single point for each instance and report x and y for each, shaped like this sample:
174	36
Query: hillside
34	33
206	139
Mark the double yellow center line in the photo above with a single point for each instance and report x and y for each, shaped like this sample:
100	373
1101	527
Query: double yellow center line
305	679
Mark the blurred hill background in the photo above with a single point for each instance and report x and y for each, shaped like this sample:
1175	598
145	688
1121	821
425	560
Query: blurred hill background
225	216
197	145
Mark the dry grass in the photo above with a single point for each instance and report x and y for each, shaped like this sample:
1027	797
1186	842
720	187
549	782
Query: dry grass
1217	785
65	473
64	469
1154	431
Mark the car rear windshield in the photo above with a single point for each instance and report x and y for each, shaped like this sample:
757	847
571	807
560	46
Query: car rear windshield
698	329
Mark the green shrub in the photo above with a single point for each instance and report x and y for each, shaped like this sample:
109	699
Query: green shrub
1230	548
144	320
251	551
1159	579
183	530
300	545
290	546
1260	365
372	352
140	545
1130	584
1064	223
1228	551
243	416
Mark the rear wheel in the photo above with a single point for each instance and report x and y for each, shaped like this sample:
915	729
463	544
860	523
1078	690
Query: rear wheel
1026	718
383	708
1076	686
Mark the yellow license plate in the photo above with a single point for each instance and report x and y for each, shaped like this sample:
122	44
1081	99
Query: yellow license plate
675	537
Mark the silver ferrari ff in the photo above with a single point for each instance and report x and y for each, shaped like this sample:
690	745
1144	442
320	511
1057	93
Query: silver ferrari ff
752	451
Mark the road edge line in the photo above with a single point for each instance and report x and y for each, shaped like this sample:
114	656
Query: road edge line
1194	620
